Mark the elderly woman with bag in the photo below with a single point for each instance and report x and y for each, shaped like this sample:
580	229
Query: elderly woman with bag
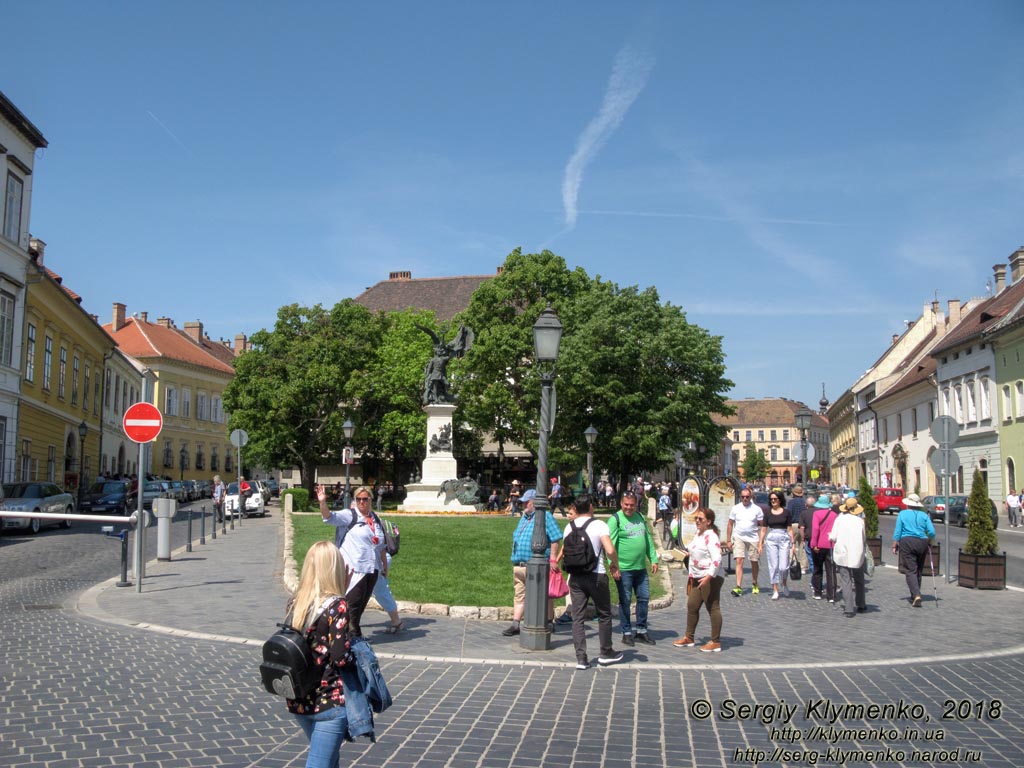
849	541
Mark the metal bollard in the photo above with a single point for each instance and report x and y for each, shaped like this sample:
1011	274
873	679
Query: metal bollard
202	527
188	546
108	530
233	513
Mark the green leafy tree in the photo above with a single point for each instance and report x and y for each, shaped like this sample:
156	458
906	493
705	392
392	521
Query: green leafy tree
755	464
633	367
981	535
293	390
866	499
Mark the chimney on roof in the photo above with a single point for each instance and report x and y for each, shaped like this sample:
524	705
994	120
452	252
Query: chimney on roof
35	250
95	318
501	268
895	338
165	322
118	322
195	331
240	342
144	317
954	312
1017	265
400	276
999	270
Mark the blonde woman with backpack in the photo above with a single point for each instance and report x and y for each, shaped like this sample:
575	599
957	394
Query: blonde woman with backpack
318	610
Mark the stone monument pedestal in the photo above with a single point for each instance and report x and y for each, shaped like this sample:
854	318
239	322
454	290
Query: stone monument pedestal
438	467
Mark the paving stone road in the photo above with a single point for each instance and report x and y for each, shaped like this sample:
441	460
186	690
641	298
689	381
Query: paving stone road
93	675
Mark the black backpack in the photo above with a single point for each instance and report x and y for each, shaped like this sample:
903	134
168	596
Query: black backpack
288	668
578	556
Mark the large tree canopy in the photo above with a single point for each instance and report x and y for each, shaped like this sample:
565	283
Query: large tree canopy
630	365
293	389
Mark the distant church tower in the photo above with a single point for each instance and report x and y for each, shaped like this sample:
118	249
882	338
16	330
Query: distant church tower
823	403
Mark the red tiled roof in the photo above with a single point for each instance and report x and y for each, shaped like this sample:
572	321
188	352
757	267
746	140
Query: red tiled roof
769	411
446	296
984	316
146	340
60	281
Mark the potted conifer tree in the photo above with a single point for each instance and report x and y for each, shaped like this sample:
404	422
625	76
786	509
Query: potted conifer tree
980	566
867	500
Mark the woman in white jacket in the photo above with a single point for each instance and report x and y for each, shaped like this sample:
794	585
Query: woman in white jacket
849	540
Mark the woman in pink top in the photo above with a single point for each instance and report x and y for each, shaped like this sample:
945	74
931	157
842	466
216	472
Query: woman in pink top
821	548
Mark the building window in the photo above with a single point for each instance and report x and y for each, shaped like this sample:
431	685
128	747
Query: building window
958	403
6	327
945	402
218	410
899	426
96	396
26	460
931	412
186	403
972	408
735	435
885	430
913	420
200	458
85	388
117	393
986	405
74	380
1020	399
774	453
760	435
47	361
51	463
785	454
773	434
63	372
1007	403
227	461
785	435
30	355
171	402
12	208
106	387
214	463
124	394
202	406
168	457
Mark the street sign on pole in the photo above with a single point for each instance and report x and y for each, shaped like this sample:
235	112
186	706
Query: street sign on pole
798	453
142	423
945	462
239	438
944	430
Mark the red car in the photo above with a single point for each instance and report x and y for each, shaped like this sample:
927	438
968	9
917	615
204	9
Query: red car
890	500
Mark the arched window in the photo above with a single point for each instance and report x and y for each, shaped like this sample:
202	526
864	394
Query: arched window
958	403
1011	473
1007	403
983	392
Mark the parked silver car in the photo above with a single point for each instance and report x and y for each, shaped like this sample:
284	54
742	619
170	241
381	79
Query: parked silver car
36	497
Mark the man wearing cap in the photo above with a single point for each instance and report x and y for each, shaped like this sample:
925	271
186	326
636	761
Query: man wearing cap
849	541
522	551
912	539
795	508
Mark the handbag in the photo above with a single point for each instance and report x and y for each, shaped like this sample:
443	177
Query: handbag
795	571
869	563
557	585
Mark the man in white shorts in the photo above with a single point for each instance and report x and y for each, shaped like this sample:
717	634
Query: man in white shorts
742	536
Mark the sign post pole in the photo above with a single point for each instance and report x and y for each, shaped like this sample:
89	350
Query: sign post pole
142	423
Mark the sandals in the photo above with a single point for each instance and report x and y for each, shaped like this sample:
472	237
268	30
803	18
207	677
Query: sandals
394	629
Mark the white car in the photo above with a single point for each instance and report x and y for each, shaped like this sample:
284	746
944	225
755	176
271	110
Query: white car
35	497
254	499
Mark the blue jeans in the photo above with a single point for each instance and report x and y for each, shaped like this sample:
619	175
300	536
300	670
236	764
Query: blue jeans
633	582
325	731
810	557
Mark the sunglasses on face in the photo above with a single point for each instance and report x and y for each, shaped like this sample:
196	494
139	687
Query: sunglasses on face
744	497
362	498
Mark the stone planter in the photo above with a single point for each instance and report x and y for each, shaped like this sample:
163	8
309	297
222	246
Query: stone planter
981	571
935	558
875	548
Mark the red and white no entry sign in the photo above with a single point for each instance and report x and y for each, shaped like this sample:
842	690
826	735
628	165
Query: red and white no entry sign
142	423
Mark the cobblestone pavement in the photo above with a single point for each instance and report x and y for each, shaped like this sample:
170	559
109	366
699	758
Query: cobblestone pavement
95	676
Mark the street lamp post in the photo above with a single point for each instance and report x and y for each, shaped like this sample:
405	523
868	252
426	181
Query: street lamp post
547	335
803	423
591	434
83	430
349	429
182	460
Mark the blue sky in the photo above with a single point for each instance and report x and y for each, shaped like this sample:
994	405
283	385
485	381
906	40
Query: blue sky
800	177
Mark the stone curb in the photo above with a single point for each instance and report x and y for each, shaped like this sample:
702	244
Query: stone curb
489	613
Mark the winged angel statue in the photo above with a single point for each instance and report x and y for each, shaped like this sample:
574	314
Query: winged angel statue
435	378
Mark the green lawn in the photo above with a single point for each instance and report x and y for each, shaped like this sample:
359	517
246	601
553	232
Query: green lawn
449	560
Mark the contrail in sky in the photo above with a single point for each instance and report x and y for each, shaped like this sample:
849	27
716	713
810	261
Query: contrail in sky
628	78
169	132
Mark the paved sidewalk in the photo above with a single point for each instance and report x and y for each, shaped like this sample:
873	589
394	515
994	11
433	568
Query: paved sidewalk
231	589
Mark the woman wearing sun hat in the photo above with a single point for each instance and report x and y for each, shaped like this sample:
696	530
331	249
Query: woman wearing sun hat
821	548
912	539
849	540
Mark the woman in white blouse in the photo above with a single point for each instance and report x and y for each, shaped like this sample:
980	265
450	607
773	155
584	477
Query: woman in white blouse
705	581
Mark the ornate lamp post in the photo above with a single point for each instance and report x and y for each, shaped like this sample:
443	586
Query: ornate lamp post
349	429
591	434
83	430
547	336
803	423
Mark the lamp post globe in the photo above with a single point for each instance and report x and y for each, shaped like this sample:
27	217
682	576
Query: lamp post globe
535	636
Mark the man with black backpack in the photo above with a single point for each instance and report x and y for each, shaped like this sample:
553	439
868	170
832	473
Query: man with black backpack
584	547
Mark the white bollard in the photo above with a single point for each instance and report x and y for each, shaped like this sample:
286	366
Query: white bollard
164	509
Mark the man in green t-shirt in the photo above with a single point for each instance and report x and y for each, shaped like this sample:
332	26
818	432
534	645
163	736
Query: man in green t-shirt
634	545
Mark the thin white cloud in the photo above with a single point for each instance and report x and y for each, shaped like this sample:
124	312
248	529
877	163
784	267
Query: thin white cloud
705	217
628	78
169	132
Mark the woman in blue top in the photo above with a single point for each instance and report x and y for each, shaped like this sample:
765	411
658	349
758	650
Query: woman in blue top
912	539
